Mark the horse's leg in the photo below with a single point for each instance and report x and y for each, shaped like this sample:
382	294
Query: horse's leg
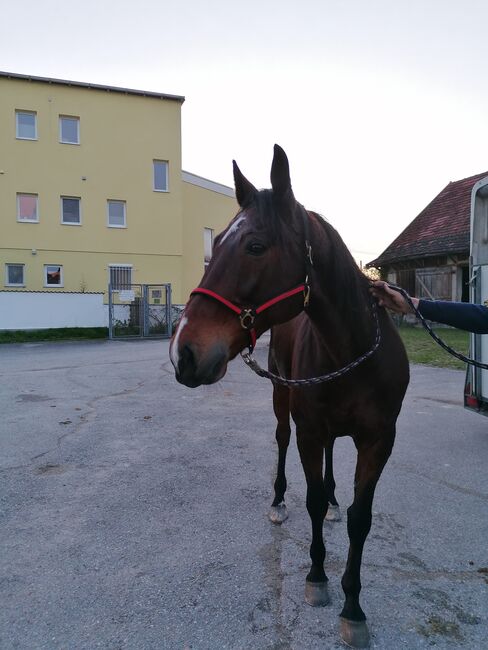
333	510
311	454
371	460
281	405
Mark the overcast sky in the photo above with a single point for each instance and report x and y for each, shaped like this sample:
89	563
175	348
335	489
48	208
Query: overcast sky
379	104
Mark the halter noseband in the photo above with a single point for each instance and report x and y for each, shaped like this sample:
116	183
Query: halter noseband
247	315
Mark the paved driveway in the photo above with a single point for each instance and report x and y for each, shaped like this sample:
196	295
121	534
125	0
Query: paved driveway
134	512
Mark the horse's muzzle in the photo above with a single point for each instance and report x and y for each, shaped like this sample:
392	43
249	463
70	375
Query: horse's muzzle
195	369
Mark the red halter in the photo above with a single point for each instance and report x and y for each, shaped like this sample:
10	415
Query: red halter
247	316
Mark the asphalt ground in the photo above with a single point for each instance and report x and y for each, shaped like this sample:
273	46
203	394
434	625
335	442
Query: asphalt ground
133	512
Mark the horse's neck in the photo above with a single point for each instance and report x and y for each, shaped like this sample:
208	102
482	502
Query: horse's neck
334	329
339	310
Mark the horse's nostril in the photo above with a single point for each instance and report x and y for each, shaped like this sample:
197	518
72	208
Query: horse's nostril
187	358
197	368
217	367
187	371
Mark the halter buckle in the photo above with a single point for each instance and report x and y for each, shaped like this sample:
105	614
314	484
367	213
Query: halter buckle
247	318
308	246
306	293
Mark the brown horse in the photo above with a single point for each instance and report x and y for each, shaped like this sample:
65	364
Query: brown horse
273	262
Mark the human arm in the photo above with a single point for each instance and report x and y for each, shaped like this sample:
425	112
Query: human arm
463	315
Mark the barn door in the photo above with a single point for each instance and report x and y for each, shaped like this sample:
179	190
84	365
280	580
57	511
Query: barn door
434	283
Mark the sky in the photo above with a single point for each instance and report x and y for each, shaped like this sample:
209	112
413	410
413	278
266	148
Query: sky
378	104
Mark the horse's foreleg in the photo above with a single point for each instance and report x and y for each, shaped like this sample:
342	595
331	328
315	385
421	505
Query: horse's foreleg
281	405
370	463
311	454
333	510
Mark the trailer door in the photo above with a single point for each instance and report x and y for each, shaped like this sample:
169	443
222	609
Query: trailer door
476	389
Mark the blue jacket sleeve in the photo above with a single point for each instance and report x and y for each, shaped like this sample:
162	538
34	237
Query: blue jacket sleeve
463	315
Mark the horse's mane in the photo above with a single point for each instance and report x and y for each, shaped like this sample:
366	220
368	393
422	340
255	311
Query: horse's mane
349	284
346	285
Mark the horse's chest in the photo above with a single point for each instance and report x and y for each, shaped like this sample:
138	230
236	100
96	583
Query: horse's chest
337	411
340	415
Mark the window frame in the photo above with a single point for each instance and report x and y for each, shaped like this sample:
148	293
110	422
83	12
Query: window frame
124	203
129	267
69	117
22	219
19	111
61	277
71	198
166	164
14	284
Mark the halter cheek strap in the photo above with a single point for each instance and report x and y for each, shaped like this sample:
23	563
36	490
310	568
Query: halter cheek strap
247	316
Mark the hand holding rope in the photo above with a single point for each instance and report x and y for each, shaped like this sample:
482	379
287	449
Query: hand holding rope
437	339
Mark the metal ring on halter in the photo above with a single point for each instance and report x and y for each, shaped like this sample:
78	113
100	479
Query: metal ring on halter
247	318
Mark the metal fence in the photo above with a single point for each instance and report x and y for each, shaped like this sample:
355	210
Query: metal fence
140	310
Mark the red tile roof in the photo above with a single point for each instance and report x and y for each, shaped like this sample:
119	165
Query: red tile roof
441	228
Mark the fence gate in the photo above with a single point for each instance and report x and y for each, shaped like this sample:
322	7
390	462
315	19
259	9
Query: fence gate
140	310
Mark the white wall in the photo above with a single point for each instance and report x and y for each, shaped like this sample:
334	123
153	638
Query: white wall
21	310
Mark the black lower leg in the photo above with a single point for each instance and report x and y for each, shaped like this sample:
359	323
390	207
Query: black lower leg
329	481
370	464
358	526
317	507
283	431
280	481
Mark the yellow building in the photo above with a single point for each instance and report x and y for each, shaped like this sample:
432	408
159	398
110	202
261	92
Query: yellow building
92	191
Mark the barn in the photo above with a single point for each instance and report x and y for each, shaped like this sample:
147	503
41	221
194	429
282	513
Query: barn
430	258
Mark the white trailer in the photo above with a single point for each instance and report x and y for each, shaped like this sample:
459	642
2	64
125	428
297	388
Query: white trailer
476	387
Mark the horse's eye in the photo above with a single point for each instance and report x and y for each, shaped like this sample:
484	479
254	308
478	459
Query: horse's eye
256	248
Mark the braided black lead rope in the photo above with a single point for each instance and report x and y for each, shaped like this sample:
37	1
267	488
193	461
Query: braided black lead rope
277	379
458	355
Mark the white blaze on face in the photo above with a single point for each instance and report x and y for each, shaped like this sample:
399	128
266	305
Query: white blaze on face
234	227
173	353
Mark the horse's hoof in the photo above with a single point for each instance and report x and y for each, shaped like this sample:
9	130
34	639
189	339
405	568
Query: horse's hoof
278	514
355	634
316	594
333	513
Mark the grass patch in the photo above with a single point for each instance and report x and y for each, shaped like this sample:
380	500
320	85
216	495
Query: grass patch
57	334
421	348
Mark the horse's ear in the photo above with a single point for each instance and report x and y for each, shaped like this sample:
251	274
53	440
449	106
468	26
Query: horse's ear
245	191
280	176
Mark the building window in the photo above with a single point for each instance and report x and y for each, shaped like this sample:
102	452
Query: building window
26	125
208	236
120	276
160	175
14	275
69	129
27	207
53	275
116	214
70	210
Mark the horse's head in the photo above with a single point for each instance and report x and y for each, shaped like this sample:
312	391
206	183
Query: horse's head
259	257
